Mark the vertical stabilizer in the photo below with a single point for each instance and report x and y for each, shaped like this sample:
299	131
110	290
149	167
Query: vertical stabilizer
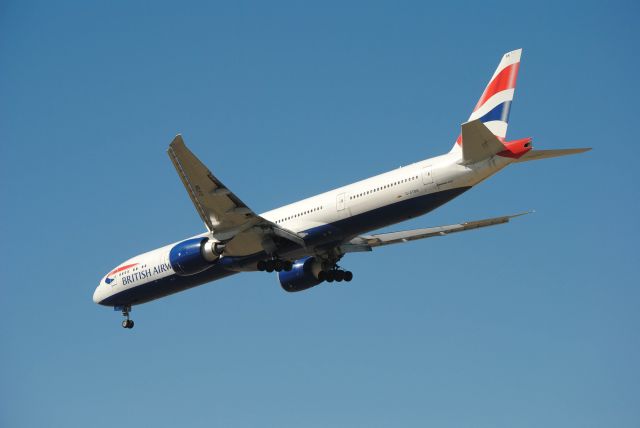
494	104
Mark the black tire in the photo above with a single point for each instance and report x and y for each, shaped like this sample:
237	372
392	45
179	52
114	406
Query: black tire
125	324
288	265
348	276
330	276
339	275
278	266
130	324
322	276
262	266
270	265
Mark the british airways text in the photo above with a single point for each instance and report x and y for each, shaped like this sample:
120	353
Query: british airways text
128	279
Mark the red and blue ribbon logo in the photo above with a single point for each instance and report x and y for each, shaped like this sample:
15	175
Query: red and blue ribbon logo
109	278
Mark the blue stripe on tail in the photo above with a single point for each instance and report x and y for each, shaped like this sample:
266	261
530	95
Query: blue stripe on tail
499	112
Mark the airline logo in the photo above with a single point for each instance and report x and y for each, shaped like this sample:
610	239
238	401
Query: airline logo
495	102
110	277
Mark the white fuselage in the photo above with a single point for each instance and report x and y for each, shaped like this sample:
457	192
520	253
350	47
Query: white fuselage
435	175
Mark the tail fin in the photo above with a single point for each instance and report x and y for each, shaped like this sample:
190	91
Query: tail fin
494	104
484	134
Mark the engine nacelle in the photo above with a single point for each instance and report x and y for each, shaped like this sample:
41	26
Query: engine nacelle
304	275
194	255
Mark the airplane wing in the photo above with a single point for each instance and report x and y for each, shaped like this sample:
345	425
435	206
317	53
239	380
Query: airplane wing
227	218
368	242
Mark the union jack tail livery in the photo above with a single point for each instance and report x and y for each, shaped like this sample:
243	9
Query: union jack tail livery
493	106
484	134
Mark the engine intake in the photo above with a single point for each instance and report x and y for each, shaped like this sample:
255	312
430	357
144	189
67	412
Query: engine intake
302	276
194	255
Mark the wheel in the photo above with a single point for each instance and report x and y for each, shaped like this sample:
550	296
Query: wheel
277	265
262	266
270	266
287	265
330	276
339	275
130	324
322	276
348	276
125	324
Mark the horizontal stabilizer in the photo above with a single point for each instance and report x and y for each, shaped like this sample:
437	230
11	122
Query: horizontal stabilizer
546	154
478	142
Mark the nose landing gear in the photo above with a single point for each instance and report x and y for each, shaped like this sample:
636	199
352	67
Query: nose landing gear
127	323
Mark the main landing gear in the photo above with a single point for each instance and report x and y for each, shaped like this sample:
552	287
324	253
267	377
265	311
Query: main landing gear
128	323
277	265
336	274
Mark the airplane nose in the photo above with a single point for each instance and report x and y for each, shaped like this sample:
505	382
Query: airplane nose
97	295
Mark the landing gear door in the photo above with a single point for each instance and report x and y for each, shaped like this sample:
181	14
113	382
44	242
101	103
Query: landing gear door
340	200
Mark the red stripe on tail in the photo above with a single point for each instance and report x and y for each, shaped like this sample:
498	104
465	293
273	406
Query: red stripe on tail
506	79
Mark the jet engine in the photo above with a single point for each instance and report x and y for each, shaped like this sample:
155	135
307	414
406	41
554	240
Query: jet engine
194	255
302	276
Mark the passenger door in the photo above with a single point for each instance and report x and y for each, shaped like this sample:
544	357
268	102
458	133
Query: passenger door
427	175
340	201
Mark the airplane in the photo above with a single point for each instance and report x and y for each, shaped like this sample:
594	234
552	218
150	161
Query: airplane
304	241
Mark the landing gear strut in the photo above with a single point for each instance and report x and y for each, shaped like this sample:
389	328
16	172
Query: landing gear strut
128	323
277	265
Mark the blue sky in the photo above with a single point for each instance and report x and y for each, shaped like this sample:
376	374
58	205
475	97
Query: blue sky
530	324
